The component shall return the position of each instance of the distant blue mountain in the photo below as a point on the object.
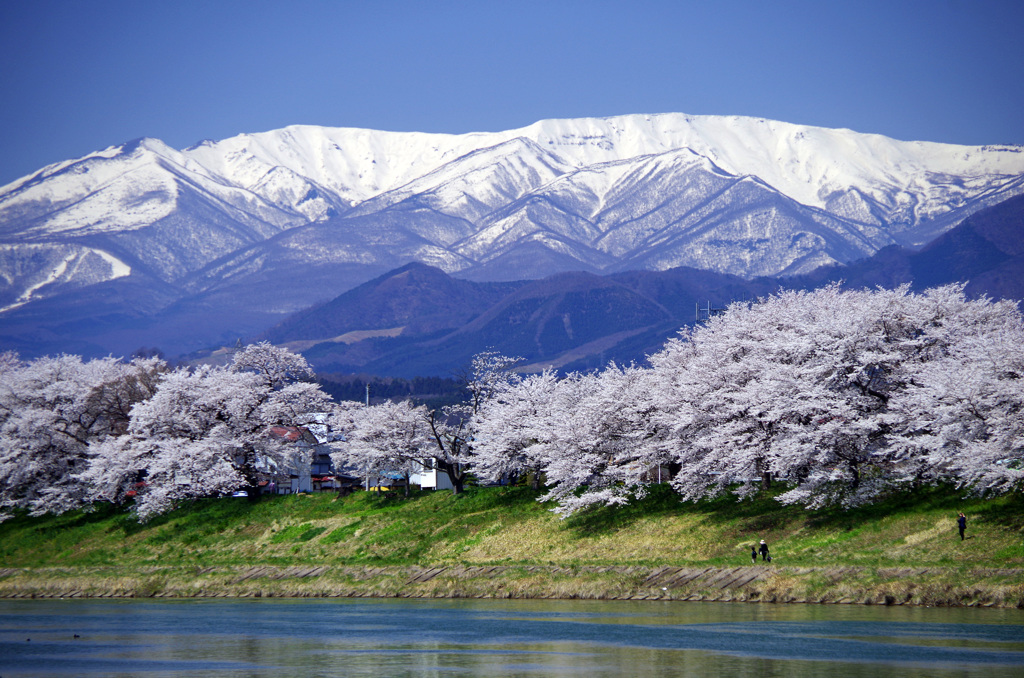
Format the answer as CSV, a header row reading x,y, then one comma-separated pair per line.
x,y
417,320
986,251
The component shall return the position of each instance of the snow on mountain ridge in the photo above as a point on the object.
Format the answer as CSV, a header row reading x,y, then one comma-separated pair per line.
x,y
126,188
340,167
475,184
638,190
810,164
227,236
77,196
69,265
806,163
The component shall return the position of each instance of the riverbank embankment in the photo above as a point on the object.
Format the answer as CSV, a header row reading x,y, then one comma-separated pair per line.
x,y
501,542
935,586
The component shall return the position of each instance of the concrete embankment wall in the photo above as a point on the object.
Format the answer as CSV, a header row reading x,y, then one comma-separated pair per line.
x,y
753,583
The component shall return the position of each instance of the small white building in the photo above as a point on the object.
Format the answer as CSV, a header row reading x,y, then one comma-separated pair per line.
x,y
429,478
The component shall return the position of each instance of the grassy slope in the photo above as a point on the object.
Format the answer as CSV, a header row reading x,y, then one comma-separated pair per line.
x,y
506,526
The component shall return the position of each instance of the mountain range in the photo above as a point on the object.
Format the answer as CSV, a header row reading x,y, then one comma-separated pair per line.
x,y
418,320
142,244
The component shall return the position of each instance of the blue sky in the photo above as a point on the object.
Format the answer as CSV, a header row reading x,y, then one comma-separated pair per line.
x,y
78,76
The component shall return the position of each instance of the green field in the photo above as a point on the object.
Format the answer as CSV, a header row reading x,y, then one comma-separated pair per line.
x,y
501,541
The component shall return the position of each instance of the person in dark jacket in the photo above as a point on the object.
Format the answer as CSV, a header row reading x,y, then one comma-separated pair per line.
x,y
961,524
765,556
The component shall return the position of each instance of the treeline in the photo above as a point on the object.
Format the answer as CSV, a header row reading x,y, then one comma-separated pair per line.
x,y
431,391
840,397
74,432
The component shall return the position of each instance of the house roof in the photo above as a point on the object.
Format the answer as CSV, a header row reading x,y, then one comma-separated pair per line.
x,y
293,434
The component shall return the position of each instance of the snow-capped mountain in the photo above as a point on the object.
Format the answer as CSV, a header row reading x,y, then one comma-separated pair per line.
x,y
281,219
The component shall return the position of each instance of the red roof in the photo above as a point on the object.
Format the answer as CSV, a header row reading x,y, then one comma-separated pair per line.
x,y
288,433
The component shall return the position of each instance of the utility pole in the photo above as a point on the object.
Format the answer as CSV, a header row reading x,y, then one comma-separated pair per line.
x,y
367,404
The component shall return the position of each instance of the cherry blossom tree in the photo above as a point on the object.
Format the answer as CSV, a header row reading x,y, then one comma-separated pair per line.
x,y
962,420
385,440
595,440
730,394
207,431
879,348
507,428
9,360
285,395
837,448
51,411
184,442
453,428
276,366
831,391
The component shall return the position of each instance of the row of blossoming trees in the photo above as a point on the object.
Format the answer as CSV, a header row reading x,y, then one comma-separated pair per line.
x,y
839,396
74,432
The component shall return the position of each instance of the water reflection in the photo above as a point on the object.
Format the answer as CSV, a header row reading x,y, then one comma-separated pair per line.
x,y
257,638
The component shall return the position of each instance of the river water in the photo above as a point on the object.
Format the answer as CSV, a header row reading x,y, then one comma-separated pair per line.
x,y
340,637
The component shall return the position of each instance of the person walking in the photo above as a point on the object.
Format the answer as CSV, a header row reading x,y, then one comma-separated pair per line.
x,y
765,556
961,524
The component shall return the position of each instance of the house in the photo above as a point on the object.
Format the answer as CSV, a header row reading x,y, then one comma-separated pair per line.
x,y
319,474
430,478
312,470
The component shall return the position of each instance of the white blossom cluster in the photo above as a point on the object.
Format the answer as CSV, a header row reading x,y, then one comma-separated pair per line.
x,y
836,397
73,433
839,396
400,439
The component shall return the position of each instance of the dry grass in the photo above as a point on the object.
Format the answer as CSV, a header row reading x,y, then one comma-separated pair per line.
x,y
373,545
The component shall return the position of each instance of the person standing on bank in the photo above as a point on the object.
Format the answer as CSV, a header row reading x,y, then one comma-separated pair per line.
x,y
765,556
961,524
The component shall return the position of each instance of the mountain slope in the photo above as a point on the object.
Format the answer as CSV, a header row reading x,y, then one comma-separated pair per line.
x,y
581,320
415,299
418,320
985,251
221,236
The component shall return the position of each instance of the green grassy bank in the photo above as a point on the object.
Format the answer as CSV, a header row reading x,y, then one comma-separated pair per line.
x,y
502,542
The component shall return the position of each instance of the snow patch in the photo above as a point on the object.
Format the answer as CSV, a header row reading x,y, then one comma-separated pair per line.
x,y
56,274
118,269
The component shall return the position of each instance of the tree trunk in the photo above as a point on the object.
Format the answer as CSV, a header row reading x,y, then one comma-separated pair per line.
x,y
252,480
455,474
458,479
765,473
